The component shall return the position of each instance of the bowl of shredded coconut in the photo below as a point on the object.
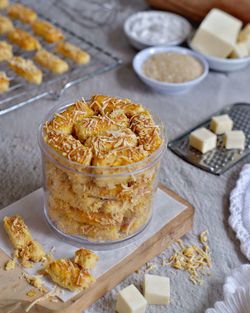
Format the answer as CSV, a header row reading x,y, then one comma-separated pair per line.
x,y
153,28
170,70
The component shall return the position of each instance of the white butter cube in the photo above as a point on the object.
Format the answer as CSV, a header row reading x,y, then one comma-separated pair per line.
x,y
130,300
235,139
156,289
203,140
221,124
240,50
217,34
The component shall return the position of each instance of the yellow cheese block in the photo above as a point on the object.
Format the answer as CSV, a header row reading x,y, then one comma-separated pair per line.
x,y
217,34
240,50
235,139
221,124
203,140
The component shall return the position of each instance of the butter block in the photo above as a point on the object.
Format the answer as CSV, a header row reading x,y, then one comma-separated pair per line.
x,y
240,50
217,34
235,139
130,300
221,124
156,289
203,140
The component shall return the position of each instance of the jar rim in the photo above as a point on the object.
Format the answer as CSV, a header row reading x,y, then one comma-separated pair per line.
x,y
153,157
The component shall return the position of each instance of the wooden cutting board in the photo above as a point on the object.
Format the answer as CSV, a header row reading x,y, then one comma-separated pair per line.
x,y
13,287
196,10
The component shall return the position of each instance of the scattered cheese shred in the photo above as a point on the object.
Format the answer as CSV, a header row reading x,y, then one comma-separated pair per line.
x,y
193,259
35,281
150,266
52,293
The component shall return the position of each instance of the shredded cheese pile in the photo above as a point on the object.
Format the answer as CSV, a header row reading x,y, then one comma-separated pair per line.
x,y
193,259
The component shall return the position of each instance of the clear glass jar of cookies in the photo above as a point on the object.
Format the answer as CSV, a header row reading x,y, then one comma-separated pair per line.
x,y
101,161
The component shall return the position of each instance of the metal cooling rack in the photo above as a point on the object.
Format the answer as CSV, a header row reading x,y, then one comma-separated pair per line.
x,y
218,160
21,92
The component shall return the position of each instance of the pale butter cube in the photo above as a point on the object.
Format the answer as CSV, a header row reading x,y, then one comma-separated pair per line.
x,y
235,139
217,34
240,50
221,124
156,289
130,300
203,140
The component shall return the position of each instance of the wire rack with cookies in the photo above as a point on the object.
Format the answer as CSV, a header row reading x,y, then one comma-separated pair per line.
x,y
40,57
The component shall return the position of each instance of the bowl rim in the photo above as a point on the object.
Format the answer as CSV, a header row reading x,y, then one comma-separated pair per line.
x,y
227,61
128,21
181,50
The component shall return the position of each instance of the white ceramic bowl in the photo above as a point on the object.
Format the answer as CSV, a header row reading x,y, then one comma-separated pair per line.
x,y
172,19
224,65
239,302
163,87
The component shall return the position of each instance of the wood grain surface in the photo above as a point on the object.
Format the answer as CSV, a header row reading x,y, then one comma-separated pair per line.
x,y
14,287
196,10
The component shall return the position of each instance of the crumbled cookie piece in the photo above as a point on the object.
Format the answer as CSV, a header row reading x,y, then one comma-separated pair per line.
x,y
85,258
26,249
31,293
10,265
69,275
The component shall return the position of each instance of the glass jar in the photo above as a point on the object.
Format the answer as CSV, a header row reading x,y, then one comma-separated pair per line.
x,y
98,204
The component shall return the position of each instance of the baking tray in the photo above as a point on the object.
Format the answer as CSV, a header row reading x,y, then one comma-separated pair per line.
x,y
218,160
22,93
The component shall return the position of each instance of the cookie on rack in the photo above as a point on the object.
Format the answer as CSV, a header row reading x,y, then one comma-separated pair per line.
x,y
5,51
22,13
4,4
26,69
47,31
24,40
6,25
4,82
51,62
72,52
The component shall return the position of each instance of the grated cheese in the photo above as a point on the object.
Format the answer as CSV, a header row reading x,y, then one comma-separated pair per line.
x,y
192,259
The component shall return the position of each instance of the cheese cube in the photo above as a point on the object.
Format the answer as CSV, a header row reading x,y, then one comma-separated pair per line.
x,y
221,124
244,37
245,33
202,139
247,43
235,139
156,289
130,300
217,34
240,50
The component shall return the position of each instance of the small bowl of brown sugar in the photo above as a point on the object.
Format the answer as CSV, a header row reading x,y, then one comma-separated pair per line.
x,y
170,70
